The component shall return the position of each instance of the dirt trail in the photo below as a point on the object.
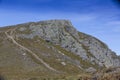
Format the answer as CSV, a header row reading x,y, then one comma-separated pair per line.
x,y
24,48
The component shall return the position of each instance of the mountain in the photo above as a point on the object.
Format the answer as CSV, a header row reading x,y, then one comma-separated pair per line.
x,y
51,48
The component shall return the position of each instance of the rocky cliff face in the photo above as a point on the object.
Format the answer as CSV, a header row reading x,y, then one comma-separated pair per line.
x,y
53,45
62,32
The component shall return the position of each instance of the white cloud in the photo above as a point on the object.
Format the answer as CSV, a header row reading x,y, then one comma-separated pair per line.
x,y
114,26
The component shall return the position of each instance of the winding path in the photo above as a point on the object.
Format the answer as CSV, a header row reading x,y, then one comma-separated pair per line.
x,y
24,48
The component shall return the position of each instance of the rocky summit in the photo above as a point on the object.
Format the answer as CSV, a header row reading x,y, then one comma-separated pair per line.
x,y
50,49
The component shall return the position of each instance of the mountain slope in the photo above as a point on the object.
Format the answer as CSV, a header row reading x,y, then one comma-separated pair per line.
x,y
52,47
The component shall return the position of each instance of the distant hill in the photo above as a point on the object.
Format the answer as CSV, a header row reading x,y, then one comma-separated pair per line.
x,y
51,48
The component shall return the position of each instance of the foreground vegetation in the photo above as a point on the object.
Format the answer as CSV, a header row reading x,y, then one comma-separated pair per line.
x,y
106,74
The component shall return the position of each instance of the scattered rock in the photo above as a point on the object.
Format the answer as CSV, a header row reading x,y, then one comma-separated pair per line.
x,y
91,70
63,63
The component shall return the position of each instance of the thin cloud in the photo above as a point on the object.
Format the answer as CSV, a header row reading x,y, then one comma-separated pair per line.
x,y
114,26
113,23
82,17
87,17
19,17
116,29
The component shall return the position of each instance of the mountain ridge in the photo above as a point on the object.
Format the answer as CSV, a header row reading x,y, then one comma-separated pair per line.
x,y
52,46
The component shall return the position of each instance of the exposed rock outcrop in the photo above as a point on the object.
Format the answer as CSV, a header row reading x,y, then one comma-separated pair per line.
x,y
61,32
37,50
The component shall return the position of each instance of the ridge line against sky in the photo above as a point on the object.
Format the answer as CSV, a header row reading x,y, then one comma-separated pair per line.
x,y
100,18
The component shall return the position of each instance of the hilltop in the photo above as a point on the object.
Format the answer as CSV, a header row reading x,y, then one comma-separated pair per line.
x,y
51,48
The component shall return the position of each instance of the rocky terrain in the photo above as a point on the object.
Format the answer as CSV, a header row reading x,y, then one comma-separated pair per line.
x,y
53,49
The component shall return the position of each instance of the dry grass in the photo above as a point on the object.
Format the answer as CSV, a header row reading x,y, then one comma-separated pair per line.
x,y
45,51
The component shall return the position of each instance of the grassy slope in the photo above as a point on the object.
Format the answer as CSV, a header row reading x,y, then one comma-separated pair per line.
x,y
15,67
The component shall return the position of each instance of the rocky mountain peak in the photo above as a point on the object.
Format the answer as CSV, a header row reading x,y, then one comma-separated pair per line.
x,y
60,25
50,29
62,32
52,45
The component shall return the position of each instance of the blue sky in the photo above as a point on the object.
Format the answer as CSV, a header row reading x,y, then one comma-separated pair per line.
x,y
100,18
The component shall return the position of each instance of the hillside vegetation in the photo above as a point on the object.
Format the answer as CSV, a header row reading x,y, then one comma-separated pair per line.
x,y
54,50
